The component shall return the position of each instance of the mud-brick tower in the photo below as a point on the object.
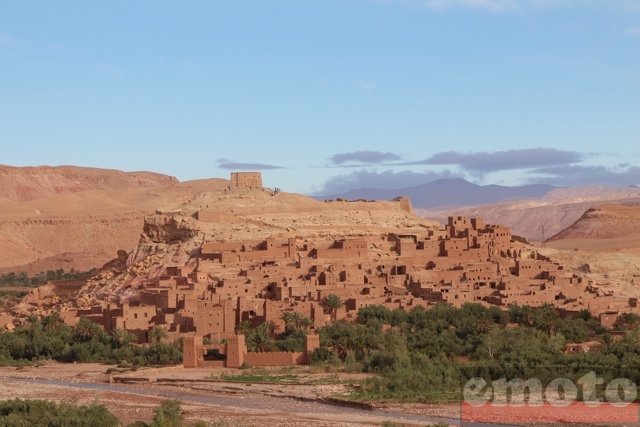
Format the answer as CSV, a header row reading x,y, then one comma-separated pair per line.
x,y
191,352
312,342
236,350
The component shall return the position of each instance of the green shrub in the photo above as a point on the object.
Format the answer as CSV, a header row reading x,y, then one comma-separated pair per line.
x,y
44,413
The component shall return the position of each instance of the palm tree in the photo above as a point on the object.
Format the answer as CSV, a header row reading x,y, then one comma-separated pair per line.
x,y
483,325
332,303
629,319
52,321
606,341
295,321
122,337
546,318
243,327
157,334
86,330
34,323
259,340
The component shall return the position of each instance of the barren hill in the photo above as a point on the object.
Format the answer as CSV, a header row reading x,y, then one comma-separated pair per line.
x,y
605,227
82,217
79,217
29,183
555,211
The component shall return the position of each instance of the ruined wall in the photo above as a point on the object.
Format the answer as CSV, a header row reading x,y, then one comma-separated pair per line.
x,y
246,180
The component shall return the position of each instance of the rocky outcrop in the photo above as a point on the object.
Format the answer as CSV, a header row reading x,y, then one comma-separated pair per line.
x,y
169,229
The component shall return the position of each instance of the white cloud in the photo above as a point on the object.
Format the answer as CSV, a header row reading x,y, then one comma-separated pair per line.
x,y
490,5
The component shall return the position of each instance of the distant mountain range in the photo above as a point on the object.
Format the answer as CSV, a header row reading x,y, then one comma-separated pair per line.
x,y
449,193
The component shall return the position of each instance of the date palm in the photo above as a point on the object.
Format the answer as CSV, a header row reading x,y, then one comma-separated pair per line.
x,y
122,337
86,330
332,303
157,334
243,327
260,341
295,321
629,319
52,321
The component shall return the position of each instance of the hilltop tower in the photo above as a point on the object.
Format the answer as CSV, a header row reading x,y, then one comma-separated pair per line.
x,y
246,180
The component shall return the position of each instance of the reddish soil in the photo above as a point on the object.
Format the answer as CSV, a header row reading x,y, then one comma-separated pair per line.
x,y
241,404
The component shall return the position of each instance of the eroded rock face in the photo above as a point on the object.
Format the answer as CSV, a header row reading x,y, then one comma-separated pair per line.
x,y
169,228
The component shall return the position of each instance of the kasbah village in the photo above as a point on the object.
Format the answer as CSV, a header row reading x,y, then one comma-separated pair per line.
x,y
258,281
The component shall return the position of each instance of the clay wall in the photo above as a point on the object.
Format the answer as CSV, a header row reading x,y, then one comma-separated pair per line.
x,y
274,359
184,321
233,288
192,352
209,318
137,317
339,253
456,225
161,298
455,245
531,269
235,351
245,180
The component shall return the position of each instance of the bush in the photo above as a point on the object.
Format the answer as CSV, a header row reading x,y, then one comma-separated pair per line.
x,y
167,414
44,413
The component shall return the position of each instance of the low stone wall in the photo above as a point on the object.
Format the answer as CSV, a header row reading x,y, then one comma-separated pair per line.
x,y
211,364
274,359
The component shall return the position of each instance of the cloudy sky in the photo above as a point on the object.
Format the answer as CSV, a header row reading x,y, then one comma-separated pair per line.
x,y
327,95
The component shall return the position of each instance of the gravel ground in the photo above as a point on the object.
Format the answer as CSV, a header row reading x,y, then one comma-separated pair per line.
x,y
241,404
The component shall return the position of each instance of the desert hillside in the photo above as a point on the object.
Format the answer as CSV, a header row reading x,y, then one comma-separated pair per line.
x,y
21,184
555,211
82,217
608,227
69,217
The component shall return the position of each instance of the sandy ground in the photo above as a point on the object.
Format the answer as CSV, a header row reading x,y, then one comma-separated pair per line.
x,y
242,404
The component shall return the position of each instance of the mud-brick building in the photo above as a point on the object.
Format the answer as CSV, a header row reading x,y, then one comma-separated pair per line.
x,y
246,180
234,354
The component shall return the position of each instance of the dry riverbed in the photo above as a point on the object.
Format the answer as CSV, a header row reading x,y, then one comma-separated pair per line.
x,y
292,397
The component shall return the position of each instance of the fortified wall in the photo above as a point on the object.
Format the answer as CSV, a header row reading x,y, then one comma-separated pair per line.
x,y
235,350
245,180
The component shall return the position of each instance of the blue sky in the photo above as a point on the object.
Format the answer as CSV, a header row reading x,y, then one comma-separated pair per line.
x,y
325,95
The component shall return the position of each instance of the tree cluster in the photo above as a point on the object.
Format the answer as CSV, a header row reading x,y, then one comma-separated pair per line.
x,y
49,338
427,355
